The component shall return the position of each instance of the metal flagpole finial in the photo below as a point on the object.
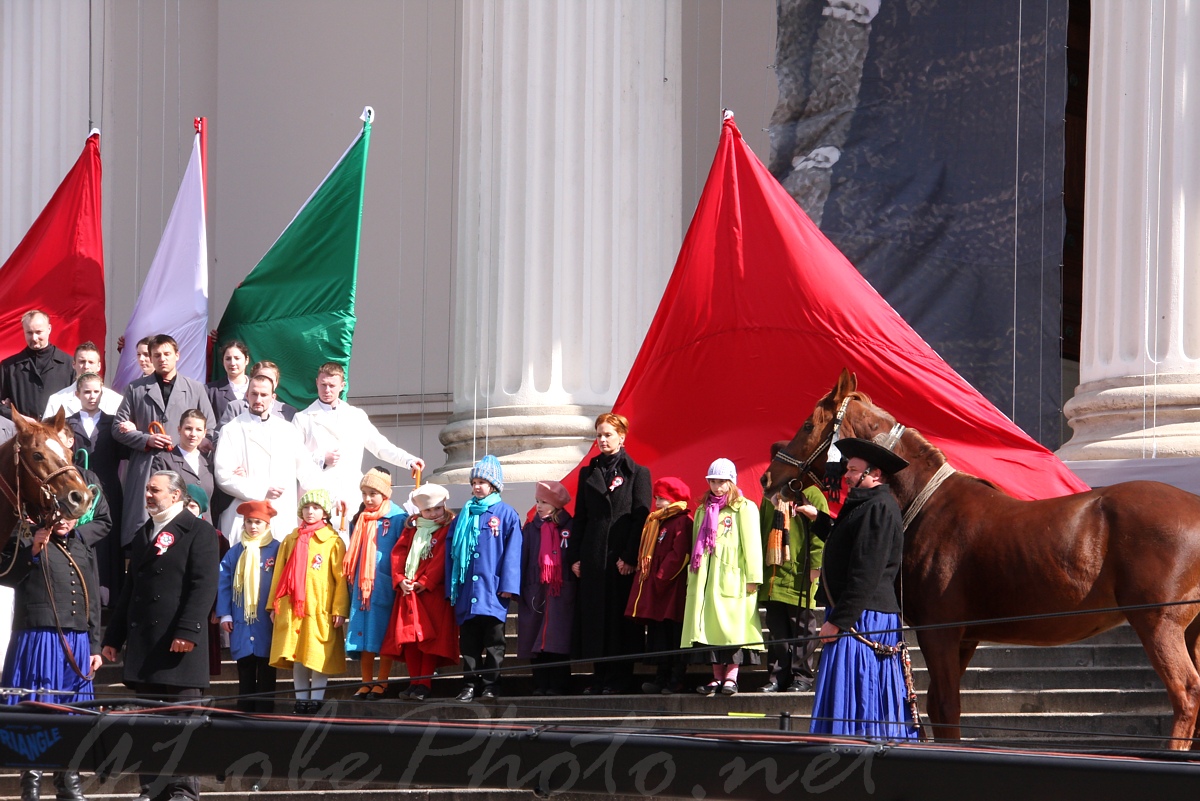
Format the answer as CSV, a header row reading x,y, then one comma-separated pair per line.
x,y
726,114
368,114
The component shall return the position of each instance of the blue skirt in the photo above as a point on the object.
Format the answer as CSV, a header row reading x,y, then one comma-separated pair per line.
x,y
35,661
859,694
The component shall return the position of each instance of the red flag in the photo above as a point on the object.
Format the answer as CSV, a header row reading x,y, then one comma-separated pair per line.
x,y
59,265
760,315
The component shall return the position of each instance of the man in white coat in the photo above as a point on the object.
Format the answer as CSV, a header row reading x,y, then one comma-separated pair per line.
x,y
336,433
261,456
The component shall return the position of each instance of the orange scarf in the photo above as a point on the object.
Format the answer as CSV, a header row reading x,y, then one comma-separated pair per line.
x,y
360,558
295,570
650,534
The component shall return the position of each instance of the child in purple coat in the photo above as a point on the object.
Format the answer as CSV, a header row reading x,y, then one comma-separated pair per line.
x,y
546,608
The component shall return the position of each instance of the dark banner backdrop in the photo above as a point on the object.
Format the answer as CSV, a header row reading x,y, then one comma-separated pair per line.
x,y
925,137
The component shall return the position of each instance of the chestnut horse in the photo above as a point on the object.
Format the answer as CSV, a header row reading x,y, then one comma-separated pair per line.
x,y
38,478
973,553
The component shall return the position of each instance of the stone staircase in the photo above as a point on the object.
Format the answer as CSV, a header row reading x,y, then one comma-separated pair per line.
x,y
1100,692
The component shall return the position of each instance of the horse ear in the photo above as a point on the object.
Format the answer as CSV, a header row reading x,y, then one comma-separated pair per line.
x,y
60,419
847,383
19,420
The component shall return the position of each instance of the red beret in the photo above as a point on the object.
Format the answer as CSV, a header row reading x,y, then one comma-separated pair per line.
x,y
257,509
673,489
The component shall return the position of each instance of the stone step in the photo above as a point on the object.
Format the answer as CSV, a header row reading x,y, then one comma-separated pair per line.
x,y
1061,656
1052,678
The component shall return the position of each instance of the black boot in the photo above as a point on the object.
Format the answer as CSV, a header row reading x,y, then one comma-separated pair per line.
x,y
31,785
66,786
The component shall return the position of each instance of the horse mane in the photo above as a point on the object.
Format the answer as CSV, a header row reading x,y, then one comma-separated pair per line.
x,y
923,450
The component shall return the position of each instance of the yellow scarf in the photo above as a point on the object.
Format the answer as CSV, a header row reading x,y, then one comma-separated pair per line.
x,y
246,575
650,534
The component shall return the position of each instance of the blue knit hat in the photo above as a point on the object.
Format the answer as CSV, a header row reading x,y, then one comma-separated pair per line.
x,y
488,468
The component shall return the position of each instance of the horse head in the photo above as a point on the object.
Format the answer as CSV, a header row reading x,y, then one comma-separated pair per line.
x,y
38,475
800,462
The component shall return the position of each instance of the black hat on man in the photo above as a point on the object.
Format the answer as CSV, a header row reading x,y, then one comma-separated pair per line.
x,y
872,453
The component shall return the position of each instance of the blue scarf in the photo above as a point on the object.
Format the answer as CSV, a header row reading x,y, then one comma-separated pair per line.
x,y
465,538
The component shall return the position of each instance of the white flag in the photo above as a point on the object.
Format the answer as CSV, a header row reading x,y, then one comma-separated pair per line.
x,y
174,297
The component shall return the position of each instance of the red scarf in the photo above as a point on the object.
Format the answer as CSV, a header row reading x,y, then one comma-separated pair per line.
x,y
550,557
294,571
360,558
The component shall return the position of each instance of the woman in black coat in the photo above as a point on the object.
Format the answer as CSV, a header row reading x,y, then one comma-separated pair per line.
x,y
612,503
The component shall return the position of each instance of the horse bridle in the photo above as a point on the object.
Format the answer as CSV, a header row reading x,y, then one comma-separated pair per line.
x,y
805,467
14,494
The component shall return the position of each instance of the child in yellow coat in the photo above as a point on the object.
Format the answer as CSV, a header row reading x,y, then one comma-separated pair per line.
x,y
310,601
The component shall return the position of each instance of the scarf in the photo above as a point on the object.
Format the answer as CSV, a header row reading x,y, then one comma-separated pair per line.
x,y
247,574
706,539
292,582
465,538
607,462
360,558
422,545
550,556
650,534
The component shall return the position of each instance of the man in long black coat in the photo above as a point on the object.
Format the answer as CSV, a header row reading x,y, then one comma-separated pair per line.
x,y
28,378
161,617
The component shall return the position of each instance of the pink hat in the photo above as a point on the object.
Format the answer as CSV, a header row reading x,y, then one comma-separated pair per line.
x,y
553,493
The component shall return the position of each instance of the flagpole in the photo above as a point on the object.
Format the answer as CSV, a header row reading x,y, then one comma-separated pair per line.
x,y
201,124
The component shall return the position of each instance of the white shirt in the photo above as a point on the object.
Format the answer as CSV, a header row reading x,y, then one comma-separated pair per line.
x,y
89,421
66,399
350,431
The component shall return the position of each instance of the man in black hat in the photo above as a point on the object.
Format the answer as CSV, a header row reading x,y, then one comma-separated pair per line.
x,y
863,548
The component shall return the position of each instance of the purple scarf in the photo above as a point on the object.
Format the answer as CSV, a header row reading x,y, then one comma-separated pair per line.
x,y
706,539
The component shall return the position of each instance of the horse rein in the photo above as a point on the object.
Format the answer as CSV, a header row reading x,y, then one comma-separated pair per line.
x,y
14,494
805,467
87,607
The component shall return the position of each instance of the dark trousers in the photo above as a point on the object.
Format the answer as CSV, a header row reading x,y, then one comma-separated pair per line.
x,y
793,661
552,678
255,675
665,635
160,788
481,642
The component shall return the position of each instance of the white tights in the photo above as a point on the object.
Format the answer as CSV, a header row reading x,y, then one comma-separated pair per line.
x,y
310,684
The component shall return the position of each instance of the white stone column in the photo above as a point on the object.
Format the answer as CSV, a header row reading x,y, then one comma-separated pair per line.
x,y
1139,389
569,195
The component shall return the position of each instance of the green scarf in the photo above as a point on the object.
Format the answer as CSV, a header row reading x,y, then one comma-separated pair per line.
x,y
465,538
422,545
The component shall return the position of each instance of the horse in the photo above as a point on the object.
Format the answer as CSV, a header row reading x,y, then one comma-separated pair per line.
x,y
973,553
39,482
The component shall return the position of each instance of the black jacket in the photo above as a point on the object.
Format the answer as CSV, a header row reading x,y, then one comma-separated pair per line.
x,y
105,455
28,390
167,595
607,527
863,548
49,582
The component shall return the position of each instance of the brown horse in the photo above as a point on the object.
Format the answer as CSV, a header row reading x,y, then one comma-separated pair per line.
x,y
38,478
973,553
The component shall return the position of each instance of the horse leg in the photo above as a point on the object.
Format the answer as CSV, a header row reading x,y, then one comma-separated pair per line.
x,y
946,656
1191,638
1163,636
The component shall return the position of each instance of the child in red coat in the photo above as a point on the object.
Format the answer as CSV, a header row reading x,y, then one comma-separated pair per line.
x,y
422,631
660,586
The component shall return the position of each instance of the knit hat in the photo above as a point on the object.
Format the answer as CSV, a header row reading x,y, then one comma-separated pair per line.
x,y
673,489
553,493
260,510
197,494
722,469
429,496
320,497
488,468
379,480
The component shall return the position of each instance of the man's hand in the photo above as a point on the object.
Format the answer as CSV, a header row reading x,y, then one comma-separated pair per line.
x,y
160,441
109,653
181,646
274,492
418,464
829,632
623,568
332,457
40,538
126,427
808,510
94,663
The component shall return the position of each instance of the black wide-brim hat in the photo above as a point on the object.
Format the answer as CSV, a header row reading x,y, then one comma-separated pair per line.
x,y
872,453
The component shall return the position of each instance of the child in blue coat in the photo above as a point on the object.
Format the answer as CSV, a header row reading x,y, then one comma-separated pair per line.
x,y
483,571
243,591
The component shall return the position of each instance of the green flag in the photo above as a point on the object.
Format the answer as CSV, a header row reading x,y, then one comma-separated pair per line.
x,y
296,307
